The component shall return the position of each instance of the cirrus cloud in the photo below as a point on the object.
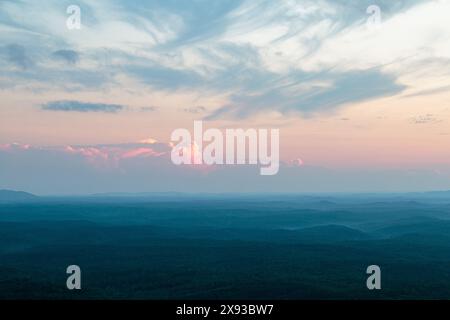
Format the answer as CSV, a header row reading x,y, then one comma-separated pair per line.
x,y
78,106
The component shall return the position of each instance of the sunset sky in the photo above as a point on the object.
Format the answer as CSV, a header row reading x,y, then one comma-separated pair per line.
x,y
361,106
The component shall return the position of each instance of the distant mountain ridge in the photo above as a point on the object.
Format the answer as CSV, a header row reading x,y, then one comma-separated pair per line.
x,y
14,196
441,192
136,194
7,195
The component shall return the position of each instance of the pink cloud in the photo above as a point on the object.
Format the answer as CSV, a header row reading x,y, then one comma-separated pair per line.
x,y
14,146
297,162
111,155
141,152
88,152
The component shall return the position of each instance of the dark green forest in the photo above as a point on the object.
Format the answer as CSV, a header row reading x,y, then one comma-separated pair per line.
x,y
226,247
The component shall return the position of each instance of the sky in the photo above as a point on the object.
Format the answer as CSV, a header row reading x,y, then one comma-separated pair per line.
x,y
361,99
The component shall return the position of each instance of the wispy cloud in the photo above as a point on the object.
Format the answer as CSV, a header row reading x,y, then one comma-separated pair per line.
x,y
78,106
428,92
68,56
17,55
195,110
148,109
426,119
256,55
310,94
